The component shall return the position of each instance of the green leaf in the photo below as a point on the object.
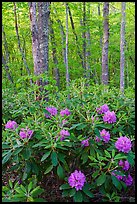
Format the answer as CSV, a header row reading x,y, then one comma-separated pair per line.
x,y
97,132
45,155
54,158
116,182
23,188
120,156
82,126
17,151
10,184
78,197
75,125
95,174
72,192
101,179
113,153
60,172
64,186
131,159
87,191
26,153
106,126
93,159
48,169
30,186
36,191
7,157
107,154
20,191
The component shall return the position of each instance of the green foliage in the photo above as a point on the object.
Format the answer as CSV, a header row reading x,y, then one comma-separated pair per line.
x,y
45,153
19,193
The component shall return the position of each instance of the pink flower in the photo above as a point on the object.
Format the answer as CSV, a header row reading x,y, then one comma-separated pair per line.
x,y
105,135
102,109
128,180
119,177
11,125
123,144
52,110
26,133
77,180
65,112
97,139
109,117
64,134
85,142
124,164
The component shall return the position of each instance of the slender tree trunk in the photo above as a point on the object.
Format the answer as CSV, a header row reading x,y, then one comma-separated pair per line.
x,y
7,69
63,37
5,44
84,35
54,54
74,32
105,44
67,69
88,45
19,44
122,44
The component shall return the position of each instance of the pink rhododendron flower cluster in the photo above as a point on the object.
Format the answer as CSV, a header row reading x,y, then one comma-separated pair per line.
x,y
77,180
109,117
124,164
85,143
64,134
127,179
11,125
65,112
123,144
105,136
26,133
52,110
102,109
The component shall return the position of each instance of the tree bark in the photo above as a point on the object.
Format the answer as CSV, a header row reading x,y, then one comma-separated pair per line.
x,y
54,54
122,44
7,69
43,32
105,44
5,44
67,69
35,39
88,45
19,44
84,35
74,32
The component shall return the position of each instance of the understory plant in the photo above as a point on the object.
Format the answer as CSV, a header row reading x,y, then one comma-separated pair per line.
x,y
86,141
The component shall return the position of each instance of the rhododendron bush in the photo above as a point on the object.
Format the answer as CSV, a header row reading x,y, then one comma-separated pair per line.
x,y
87,141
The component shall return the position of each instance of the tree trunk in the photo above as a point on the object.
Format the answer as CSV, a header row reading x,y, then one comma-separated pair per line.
x,y
67,69
54,54
7,69
122,44
88,45
19,44
74,32
43,32
35,39
105,44
84,35
5,44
